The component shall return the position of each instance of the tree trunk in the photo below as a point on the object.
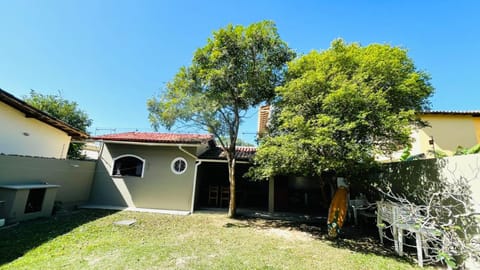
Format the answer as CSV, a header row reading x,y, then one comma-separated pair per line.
x,y
232,206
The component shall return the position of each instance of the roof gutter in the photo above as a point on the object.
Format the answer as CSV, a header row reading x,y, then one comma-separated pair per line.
x,y
195,173
186,152
224,161
194,189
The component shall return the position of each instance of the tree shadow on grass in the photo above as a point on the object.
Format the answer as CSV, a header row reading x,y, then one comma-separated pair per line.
x,y
363,239
16,241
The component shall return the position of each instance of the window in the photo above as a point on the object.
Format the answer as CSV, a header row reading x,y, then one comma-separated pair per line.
x,y
128,165
179,165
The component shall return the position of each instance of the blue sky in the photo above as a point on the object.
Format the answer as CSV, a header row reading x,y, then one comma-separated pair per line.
x,y
111,56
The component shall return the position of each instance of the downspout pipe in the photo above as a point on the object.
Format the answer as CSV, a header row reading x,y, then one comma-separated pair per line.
x,y
195,185
186,152
197,163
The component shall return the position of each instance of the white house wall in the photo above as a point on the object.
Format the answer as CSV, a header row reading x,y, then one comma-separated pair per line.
x,y
30,137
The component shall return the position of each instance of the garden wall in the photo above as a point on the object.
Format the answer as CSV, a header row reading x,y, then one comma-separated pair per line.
x,y
412,178
74,176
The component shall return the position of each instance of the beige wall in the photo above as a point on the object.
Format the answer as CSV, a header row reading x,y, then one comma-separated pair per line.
x,y
159,188
412,178
448,132
43,140
74,177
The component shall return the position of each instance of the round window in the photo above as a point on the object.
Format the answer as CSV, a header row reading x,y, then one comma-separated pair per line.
x,y
179,165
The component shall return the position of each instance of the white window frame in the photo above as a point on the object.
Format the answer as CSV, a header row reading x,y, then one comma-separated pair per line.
x,y
128,155
172,165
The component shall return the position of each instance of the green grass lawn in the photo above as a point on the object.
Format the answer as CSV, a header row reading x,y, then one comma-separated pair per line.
x,y
88,239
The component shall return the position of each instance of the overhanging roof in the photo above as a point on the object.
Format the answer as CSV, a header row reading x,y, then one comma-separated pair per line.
x,y
244,153
31,112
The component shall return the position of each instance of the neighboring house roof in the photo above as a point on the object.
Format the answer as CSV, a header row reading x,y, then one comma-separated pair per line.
x,y
264,114
31,112
217,153
155,137
472,113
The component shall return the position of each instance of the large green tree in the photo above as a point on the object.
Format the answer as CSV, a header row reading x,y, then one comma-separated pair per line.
x,y
238,69
341,107
65,110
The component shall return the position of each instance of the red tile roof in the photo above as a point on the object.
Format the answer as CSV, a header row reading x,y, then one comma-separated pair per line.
x,y
241,153
156,137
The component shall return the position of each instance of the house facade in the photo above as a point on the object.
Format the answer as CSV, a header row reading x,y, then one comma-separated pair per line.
x,y
446,131
171,173
30,132
147,170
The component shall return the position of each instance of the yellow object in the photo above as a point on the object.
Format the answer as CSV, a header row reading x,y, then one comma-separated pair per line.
x,y
337,212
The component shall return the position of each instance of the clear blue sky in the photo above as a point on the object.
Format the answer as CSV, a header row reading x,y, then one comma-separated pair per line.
x,y
110,56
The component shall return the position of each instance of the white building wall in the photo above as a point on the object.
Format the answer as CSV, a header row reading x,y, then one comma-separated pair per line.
x,y
20,135
466,167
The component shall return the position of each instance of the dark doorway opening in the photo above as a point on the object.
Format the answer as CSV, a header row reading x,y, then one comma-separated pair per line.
x,y
35,200
213,187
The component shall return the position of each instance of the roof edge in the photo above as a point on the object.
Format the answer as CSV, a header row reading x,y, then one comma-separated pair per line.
x,y
32,112
472,113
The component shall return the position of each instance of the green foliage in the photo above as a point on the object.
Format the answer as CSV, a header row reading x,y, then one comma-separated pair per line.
x,y
406,153
65,110
440,154
238,68
467,151
443,256
474,149
341,107
60,108
460,151
75,151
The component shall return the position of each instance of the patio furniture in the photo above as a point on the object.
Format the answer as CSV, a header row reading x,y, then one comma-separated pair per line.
x,y
402,218
224,196
386,213
361,207
213,195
